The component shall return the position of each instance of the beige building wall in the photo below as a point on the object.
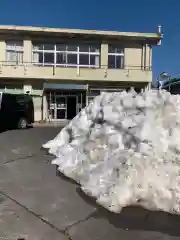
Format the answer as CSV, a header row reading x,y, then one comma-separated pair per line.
x,y
137,58
104,54
137,67
2,51
27,51
37,100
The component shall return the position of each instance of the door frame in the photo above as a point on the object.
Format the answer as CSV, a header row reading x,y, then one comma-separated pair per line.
x,y
60,108
53,104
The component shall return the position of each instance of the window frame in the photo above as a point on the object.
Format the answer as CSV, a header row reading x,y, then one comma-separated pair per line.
x,y
116,54
16,49
55,51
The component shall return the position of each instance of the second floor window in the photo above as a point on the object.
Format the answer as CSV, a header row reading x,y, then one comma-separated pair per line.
x,y
14,52
115,57
67,55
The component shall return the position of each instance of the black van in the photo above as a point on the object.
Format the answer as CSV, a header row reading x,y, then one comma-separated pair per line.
x,y
16,111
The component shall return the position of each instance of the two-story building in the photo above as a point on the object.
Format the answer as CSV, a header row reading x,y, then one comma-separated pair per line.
x,y
63,68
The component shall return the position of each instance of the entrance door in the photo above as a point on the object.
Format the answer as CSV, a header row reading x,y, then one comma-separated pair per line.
x,y
52,105
60,107
71,107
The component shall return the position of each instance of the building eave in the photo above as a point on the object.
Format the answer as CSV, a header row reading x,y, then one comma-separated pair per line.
x,y
106,35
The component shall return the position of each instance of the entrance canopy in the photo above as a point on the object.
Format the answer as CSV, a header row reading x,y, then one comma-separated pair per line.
x,y
47,86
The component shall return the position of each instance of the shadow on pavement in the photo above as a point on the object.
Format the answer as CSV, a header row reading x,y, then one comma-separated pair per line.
x,y
2,130
137,218
132,218
62,176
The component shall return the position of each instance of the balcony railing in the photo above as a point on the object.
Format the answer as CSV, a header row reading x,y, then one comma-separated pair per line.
x,y
54,66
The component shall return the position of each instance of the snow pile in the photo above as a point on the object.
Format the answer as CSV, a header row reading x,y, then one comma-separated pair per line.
x,y
124,149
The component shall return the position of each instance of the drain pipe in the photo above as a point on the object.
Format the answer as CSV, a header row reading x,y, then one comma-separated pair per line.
x,y
159,32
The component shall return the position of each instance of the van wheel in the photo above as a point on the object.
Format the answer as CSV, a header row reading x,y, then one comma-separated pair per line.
x,y
22,124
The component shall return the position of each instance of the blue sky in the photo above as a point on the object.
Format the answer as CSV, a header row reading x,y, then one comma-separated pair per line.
x,y
129,15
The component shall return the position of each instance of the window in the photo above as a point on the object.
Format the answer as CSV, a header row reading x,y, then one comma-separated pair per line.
x,y
61,47
43,54
61,58
72,48
14,52
48,58
84,59
89,55
72,59
67,55
115,57
48,47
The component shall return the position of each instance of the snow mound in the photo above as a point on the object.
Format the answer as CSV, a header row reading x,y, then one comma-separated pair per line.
x,y
124,149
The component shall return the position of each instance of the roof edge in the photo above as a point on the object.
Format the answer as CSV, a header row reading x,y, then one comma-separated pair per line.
x,y
30,29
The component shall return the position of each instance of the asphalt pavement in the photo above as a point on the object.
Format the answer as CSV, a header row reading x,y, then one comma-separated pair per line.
x,y
36,203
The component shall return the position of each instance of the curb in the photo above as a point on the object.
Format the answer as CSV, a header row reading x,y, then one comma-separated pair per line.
x,y
50,124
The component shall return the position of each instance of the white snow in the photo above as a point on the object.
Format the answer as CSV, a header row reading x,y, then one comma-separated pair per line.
x,y
124,149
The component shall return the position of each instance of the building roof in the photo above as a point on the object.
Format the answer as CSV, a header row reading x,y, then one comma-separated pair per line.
x,y
4,29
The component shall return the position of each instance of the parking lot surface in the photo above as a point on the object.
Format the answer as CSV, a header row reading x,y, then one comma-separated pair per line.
x,y
38,204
